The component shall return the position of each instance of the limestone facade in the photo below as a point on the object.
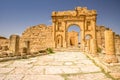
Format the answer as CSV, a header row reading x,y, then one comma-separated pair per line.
x,y
39,36
82,17
100,35
4,43
100,30
57,35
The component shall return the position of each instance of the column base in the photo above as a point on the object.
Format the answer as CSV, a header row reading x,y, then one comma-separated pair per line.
x,y
110,59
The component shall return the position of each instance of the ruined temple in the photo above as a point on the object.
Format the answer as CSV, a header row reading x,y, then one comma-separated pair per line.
x,y
98,43
57,35
39,37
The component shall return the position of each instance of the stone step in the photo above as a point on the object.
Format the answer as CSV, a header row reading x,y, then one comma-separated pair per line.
x,y
67,49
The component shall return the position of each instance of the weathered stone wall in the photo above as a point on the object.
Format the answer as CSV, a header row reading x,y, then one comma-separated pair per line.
x,y
4,43
100,35
101,38
82,17
40,37
117,44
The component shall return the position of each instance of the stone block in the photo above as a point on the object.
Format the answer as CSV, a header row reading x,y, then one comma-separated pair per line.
x,y
14,44
110,56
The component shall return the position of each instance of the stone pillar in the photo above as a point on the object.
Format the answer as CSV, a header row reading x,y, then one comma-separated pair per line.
x,y
88,45
83,46
93,45
54,41
14,44
82,40
110,56
27,46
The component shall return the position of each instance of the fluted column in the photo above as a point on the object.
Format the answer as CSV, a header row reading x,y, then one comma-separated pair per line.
x,y
110,56
88,45
94,46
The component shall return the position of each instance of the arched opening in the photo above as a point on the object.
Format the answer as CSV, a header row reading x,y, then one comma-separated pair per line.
x,y
73,36
88,37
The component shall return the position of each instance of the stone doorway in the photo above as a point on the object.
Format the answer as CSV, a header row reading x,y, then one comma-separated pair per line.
x,y
73,36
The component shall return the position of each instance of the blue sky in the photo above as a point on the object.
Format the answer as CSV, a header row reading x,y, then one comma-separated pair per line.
x,y
17,15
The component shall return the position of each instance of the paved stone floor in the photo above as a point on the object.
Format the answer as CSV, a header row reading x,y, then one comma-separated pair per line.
x,y
58,66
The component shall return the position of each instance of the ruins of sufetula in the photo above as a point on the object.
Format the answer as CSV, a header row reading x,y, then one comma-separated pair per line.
x,y
92,36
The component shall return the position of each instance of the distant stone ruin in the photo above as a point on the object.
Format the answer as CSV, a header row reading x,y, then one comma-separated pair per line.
x,y
40,37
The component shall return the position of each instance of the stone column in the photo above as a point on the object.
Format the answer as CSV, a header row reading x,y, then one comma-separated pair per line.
x,y
54,33
27,46
110,56
82,40
93,45
88,45
83,45
14,44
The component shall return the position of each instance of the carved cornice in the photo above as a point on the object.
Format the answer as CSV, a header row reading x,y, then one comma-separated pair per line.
x,y
76,12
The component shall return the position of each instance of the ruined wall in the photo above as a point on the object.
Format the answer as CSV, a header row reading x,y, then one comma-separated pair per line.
x,y
117,43
4,43
40,37
100,35
101,38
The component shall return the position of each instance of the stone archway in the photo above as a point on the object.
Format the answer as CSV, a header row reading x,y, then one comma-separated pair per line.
x,y
73,36
84,18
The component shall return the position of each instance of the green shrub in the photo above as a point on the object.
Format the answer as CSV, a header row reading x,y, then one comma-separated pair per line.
x,y
49,51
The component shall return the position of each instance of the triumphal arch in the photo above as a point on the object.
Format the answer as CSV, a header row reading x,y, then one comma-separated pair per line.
x,y
93,38
82,17
57,35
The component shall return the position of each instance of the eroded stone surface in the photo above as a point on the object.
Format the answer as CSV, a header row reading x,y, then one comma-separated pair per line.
x,y
14,77
5,70
58,66
43,77
2,76
90,76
